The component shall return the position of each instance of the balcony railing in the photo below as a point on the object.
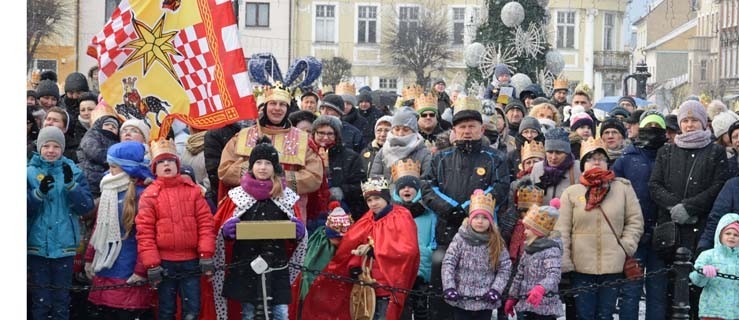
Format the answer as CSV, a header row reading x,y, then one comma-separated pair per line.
x,y
611,60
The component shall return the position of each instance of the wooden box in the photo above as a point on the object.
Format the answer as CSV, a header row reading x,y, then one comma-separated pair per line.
x,y
260,230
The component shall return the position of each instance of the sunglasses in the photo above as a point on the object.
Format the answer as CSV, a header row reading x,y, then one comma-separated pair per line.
x,y
428,115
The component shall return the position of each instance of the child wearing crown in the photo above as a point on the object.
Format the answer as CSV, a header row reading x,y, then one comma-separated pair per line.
x,y
386,235
539,270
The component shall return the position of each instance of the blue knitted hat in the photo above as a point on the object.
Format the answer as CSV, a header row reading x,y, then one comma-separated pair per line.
x,y
129,156
557,139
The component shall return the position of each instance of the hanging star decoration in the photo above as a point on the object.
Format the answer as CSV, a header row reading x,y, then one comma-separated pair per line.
x,y
494,56
152,44
529,42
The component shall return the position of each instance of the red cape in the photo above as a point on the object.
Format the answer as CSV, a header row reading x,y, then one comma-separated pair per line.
x,y
396,256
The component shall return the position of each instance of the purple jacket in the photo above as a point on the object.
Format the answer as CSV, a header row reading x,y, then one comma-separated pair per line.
x,y
466,267
541,264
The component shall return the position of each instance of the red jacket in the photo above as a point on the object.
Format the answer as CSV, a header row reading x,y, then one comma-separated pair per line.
x,y
174,223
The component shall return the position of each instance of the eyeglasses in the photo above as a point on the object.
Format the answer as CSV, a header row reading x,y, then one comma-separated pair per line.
x,y
428,115
170,160
324,134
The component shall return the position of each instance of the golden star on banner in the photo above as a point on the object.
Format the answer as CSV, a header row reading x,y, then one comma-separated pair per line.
x,y
152,45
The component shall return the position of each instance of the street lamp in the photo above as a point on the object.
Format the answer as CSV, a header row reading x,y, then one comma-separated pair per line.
x,y
641,75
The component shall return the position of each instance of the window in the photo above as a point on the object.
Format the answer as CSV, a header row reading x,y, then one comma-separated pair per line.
x,y
325,22
387,83
43,65
704,69
457,25
609,89
110,6
566,29
609,27
408,19
367,24
257,14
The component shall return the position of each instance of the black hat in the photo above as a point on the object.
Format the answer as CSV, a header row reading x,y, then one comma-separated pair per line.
x,y
265,150
31,93
440,81
620,111
671,123
408,181
302,115
48,75
539,100
734,126
89,96
47,88
333,101
364,96
466,115
76,82
310,94
628,99
634,118
613,123
515,104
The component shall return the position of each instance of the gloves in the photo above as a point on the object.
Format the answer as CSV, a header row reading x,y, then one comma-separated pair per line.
x,y
155,275
354,272
88,270
709,271
493,296
336,194
46,184
536,295
451,294
509,304
679,214
229,228
67,173
299,228
135,278
207,267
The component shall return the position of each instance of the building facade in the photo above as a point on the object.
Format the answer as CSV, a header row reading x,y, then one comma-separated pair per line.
x,y
703,57
728,71
59,53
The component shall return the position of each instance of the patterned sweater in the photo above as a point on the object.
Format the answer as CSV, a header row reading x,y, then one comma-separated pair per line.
x,y
541,264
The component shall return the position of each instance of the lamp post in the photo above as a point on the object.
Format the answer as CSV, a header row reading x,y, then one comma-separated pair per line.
x,y
641,75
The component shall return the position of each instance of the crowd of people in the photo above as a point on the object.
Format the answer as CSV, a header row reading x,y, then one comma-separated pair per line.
x,y
497,202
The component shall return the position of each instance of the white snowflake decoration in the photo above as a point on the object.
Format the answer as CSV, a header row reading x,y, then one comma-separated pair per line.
x,y
530,42
520,81
476,89
473,54
495,56
545,79
512,14
555,61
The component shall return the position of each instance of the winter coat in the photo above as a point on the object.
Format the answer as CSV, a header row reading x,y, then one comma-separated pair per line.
x,y
371,115
452,178
73,140
93,153
346,172
443,102
571,177
174,222
431,137
466,268
426,226
541,264
692,177
368,155
351,137
215,142
726,202
361,123
590,246
636,166
420,154
52,227
720,297
194,156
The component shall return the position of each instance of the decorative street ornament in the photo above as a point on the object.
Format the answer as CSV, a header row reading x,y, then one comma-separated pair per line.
x,y
473,54
530,42
520,81
545,78
494,56
555,62
512,14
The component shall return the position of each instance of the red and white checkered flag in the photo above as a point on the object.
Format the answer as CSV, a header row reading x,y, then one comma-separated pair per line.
x,y
107,46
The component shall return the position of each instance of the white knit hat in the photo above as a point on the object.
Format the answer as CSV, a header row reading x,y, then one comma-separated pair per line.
x,y
722,121
139,124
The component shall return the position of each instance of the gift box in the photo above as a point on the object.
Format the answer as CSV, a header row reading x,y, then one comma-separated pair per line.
x,y
260,230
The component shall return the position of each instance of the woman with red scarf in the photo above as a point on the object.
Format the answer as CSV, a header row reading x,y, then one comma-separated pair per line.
x,y
591,251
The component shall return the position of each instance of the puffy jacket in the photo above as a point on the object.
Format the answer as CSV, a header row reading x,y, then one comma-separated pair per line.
x,y
93,153
541,264
719,294
361,123
346,172
452,178
351,137
636,166
174,222
426,226
53,229
726,202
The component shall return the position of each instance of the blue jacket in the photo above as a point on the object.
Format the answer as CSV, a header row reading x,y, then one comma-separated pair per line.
x,y
720,296
426,226
636,165
726,201
52,227
123,266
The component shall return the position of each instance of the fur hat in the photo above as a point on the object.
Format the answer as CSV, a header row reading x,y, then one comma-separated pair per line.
x,y
75,82
635,117
89,96
557,139
265,151
337,222
581,119
302,115
331,121
139,124
613,123
47,88
722,121
529,122
335,102
693,109
50,133
406,116
49,75
541,220
129,156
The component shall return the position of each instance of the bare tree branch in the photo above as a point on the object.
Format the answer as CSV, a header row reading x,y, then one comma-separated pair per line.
x,y
46,20
334,70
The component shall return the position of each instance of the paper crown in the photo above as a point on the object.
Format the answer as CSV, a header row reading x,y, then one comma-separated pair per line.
x,y
540,220
591,145
276,93
162,146
412,92
584,88
345,88
407,167
561,83
481,201
533,149
399,103
529,196
425,102
374,185
468,103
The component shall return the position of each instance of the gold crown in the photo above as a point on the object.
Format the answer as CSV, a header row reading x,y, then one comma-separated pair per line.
x,y
561,83
482,201
276,93
407,167
585,89
374,185
162,146
412,92
345,88
529,196
590,145
399,103
468,103
426,102
533,149
539,220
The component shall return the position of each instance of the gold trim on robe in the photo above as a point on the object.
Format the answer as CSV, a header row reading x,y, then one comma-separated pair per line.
x,y
290,143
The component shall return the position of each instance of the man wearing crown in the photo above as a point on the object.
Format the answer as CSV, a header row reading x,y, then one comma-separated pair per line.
x,y
429,122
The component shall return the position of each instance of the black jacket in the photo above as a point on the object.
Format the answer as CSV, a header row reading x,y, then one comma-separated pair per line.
x,y
345,171
368,156
73,138
215,141
372,115
351,137
443,102
453,176
359,122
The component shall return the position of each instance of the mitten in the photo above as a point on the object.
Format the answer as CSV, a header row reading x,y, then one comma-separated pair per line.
x,y
493,296
679,214
155,275
536,294
299,228
229,228
336,194
135,278
451,294
46,184
67,173
207,267
709,271
509,310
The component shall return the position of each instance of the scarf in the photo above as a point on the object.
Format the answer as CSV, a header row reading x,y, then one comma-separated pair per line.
x,y
651,138
553,175
196,143
473,237
523,173
85,124
398,148
597,181
615,154
259,189
693,140
107,236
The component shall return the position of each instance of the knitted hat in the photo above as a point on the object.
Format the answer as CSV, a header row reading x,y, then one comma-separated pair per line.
x,y
714,108
50,133
350,98
385,119
337,222
620,111
89,96
406,116
440,81
112,120
138,124
557,139
408,181
502,69
581,119
627,99
722,121
31,93
376,186
652,117
265,151
693,109
515,104
541,220
731,226
188,171
331,121
364,97
75,82
163,149
671,122
613,123
732,128
310,94
481,203
529,122
129,156
47,88
635,117
334,102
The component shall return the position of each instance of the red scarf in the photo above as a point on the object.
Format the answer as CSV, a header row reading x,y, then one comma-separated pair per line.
x,y
598,182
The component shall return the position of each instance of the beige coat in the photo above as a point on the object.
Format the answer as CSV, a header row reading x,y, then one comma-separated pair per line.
x,y
555,192
589,245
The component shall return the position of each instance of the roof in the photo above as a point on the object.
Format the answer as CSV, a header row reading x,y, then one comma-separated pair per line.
x,y
652,7
674,33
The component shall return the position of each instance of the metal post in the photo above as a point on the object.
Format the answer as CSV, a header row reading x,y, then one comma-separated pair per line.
x,y
681,284
640,75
